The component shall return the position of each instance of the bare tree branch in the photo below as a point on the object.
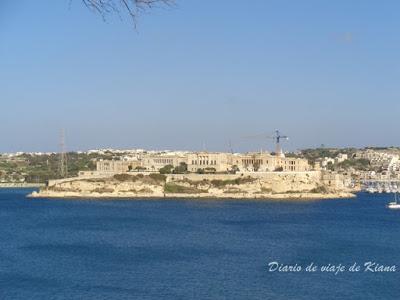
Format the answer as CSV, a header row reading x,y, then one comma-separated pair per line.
x,y
132,7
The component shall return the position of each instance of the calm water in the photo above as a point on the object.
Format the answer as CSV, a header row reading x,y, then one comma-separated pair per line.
x,y
56,249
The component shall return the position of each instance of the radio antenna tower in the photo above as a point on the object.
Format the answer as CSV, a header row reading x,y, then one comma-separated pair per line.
x,y
230,146
63,156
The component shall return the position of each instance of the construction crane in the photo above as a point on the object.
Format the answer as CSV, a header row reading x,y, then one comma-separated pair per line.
x,y
277,138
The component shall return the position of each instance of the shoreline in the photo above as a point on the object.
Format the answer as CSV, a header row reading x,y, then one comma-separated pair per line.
x,y
21,185
239,196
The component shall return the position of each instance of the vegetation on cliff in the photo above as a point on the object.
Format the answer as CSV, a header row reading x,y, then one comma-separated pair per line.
x,y
174,188
241,180
320,190
153,178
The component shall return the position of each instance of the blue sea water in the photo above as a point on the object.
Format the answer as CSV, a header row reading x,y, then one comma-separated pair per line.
x,y
194,249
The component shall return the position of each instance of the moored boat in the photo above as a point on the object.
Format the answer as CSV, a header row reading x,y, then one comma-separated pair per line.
x,y
395,204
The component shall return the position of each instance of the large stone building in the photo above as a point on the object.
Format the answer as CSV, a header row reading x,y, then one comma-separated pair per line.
x,y
265,162
156,162
217,162
210,162
117,166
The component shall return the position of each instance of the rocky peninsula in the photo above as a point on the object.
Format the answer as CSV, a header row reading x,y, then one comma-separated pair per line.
x,y
278,185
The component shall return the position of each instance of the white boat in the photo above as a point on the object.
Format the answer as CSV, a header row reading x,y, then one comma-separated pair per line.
x,y
395,204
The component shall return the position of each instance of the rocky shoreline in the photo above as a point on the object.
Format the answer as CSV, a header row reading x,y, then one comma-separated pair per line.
x,y
289,196
139,186
21,185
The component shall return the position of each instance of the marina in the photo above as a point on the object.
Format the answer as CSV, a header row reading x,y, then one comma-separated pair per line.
x,y
381,186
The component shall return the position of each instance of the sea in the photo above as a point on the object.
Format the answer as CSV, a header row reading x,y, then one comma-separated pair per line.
x,y
198,249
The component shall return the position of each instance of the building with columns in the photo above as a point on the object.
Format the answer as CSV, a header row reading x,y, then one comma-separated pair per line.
x,y
218,162
156,162
265,162
208,162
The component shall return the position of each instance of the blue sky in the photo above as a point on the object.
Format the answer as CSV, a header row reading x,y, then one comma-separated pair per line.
x,y
200,74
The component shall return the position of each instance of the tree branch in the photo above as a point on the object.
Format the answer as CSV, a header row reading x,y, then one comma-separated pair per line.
x,y
132,7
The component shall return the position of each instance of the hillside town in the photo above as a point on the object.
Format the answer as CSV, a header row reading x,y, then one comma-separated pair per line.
x,y
353,165
363,164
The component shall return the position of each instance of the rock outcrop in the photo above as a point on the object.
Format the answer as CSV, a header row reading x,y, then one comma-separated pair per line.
x,y
277,185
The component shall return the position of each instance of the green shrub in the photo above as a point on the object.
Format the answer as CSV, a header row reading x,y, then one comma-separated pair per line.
x,y
158,177
125,177
173,188
200,171
237,181
233,191
166,169
181,169
103,190
320,190
218,182
266,190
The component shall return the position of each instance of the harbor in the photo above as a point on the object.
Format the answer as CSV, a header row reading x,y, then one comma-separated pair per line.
x,y
381,186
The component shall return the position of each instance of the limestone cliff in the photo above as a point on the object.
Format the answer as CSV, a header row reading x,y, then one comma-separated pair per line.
x,y
252,185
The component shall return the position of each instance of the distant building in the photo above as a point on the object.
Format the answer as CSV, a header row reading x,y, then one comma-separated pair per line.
x,y
219,162
207,162
379,159
327,161
156,162
263,162
116,166
341,158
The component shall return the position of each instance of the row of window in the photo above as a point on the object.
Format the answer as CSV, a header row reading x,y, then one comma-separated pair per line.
x,y
204,162
163,161
253,161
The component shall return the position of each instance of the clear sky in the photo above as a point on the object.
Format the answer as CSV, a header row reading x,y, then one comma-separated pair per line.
x,y
200,74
